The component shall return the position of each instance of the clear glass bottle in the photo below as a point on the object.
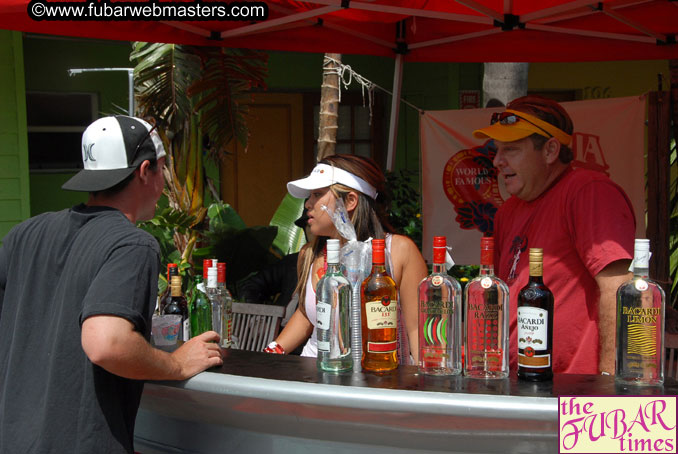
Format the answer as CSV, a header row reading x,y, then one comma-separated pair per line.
x,y
640,325
379,315
486,330
439,297
214,296
177,305
333,302
201,309
226,306
535,324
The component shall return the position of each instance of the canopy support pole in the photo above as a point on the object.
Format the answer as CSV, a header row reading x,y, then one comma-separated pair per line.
x,y
395,112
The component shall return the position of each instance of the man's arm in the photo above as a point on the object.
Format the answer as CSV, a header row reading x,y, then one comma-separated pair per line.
x,y
609,279
112,343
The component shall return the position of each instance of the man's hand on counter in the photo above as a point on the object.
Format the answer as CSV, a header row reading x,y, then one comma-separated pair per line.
x,y
198,354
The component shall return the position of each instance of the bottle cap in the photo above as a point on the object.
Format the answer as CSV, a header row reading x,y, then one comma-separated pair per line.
x,y
221,272
536,254
641,253
171,269
333,248
439,249
378,252
212,277
487,250
206,265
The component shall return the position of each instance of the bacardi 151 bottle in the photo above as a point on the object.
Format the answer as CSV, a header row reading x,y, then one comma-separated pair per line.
x,y
640,325
379,318
333,305
439,297
535,324
486,303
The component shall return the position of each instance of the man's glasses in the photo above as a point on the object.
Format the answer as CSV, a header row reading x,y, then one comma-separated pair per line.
x,y
509,118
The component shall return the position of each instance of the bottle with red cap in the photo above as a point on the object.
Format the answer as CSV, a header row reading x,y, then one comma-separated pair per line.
x,y
166,297
439,318
486,305
379,317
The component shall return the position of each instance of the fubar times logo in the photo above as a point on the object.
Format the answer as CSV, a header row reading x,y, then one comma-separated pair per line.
x,y
617,424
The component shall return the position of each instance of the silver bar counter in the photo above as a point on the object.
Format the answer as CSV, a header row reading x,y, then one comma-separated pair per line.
x,y
261,403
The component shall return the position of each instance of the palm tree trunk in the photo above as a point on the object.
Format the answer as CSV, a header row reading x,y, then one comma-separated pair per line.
x,y
329,107
504,81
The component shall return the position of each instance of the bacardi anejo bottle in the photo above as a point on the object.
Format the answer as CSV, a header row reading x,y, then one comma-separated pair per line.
x,y
439,297
333,304
486,304
177,305
640,325
379,318
535,324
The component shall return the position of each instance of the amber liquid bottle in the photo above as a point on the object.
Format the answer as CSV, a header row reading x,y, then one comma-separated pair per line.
x,y
165,298
379,317
535,324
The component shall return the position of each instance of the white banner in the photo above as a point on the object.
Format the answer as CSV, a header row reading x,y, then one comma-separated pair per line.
x,y
460,190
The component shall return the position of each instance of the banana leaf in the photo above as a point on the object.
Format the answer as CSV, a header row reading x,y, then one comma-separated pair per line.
x,y
223,215
290,238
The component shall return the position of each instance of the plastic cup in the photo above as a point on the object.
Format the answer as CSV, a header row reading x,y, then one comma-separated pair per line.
x,y
165,330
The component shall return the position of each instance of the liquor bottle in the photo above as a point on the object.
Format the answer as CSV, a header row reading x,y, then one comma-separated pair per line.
x,y
439,297
640,325
486,305
214,295
201,310
379,315
333,302
535,324
172,270
226,306
178,306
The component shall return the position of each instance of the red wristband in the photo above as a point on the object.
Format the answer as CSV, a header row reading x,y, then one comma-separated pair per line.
x,y
274,348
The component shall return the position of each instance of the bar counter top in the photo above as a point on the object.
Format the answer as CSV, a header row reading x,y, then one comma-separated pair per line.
x,y
258,402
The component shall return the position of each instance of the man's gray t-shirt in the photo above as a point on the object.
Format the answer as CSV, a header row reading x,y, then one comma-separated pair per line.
x,y
56,270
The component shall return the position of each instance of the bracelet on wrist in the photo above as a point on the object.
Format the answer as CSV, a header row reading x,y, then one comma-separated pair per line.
x,y
274,348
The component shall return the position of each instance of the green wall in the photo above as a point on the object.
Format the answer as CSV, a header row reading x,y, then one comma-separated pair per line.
x,y
46,62
14,184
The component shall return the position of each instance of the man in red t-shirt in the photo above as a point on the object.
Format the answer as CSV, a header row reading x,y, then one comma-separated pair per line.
x,y
583,221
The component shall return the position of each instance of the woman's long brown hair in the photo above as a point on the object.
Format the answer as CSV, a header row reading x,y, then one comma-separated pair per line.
x,y
369,217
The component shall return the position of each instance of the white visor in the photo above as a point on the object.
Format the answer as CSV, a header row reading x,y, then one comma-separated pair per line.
x,y
324,175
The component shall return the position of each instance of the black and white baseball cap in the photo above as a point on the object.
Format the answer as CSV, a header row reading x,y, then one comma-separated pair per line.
x,y
112,148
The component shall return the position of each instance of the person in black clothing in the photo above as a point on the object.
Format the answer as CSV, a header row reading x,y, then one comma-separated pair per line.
x,y
274,284
77,292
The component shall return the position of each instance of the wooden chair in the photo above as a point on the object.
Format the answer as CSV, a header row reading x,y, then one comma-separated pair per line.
x,y
671,345
255,325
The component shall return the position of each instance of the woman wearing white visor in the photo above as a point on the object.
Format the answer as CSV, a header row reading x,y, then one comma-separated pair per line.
x,y
360,183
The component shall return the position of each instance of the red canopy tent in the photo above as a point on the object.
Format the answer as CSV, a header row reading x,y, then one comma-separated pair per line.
x,y
421,30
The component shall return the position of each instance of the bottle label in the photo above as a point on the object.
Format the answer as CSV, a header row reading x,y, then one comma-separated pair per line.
x,y
532,337
437,281
382,313
324,346
486,282
323,311
382,347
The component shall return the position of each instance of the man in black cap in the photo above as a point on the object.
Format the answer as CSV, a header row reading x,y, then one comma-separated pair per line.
x,y
77,292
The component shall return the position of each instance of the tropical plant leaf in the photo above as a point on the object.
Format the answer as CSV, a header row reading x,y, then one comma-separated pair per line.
x,y
290,238
223,215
